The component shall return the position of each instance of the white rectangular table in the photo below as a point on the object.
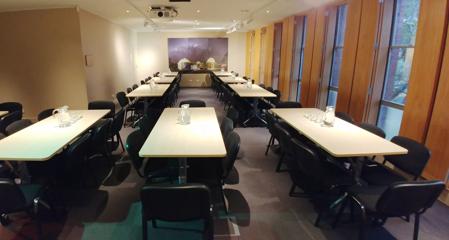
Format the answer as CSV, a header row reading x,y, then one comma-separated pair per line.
x,y
147,91
3,113
164,79
342,140
169,74
223,74
200,139
44,139
252,94
231,80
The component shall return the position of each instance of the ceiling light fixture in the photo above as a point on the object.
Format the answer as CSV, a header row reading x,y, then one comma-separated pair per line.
x,y
198,11
267,11
127,11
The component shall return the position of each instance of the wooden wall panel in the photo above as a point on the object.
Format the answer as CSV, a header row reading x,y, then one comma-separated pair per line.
x,y
430,39
256,56
438,135
317,59
286,56
365,60
248,53
308,55
349,54
268,69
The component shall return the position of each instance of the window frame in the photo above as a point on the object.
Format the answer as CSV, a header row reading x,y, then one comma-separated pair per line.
x,y
295,82
275,84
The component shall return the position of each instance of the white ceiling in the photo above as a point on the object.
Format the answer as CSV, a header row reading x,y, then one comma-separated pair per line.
x,y
213,15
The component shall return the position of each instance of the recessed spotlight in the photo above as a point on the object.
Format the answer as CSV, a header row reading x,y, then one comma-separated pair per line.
x,y
127,11
267,11
198,11
234,20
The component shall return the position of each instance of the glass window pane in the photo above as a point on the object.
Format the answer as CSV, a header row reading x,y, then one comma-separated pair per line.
x,y
405,22
397,75
341,25
332,98
298,95
336,66
390,120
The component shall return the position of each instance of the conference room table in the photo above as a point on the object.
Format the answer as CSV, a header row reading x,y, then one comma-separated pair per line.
x,y
164,79
233,80
3,113
169,74
223,74
148,92
342,140
44,139
201,138
252,94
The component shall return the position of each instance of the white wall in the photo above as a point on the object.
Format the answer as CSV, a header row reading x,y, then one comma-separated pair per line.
x,y
152,50
111,48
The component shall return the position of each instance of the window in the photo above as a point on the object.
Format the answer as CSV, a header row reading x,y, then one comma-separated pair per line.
x,y
398,65
337,55
298,58
263,50
276,54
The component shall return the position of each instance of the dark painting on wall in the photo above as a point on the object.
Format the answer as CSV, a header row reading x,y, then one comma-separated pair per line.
x,y
197,53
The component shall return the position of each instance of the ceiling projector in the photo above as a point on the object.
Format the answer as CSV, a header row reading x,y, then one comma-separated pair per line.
x,y
162,12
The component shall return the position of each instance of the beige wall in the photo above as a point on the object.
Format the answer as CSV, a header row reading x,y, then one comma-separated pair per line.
x,y
152,50
41,64
110,47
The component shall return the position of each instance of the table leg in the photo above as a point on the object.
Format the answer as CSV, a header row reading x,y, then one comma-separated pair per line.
x,y
357,166
182,162
254,112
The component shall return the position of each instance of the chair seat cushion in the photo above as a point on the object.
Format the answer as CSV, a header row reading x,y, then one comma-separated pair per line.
x,y
30,192
380,175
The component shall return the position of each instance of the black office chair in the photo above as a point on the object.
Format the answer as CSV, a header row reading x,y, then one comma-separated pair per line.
x,y
270,89
276,99
17,126
261,85
373,129
288,105
284,137
106,105
128,90
45,114
12,107
142,82
99,139
226,126
21,198
232,144
114,135
75,160
271,120
8,119
344,116
234,115
148,121
135,86
153,170
177,203
193,103
397,200
412,163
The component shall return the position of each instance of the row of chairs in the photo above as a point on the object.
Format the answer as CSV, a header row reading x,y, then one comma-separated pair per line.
x,y
384,192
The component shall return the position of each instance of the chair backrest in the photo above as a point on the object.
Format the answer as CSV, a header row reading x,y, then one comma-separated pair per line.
x,y
288,105
232,144
261,85
405,198
100,133
271,120
134,143
309,163
17,126
226,126
45,114
373,129
414,161
108,105
283,136
122,99
11,107
344,116
233,114
193,103
78,150
12,197
183,202
117,122
128,90
142,82
269,89
8,119
135,86
148,121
